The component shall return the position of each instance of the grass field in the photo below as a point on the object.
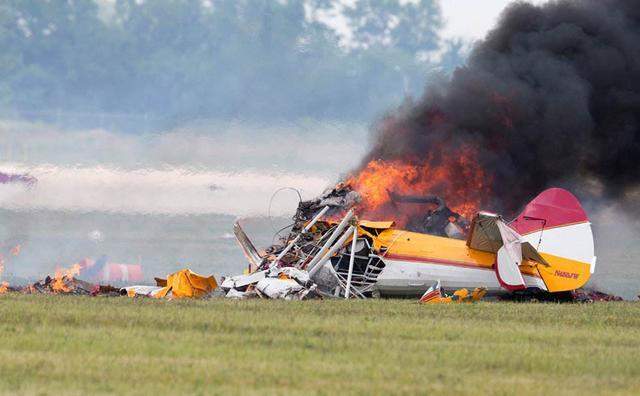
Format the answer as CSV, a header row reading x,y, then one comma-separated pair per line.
x,y
78,345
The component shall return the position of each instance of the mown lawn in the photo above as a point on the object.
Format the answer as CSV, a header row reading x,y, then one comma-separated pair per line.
x,y
78,345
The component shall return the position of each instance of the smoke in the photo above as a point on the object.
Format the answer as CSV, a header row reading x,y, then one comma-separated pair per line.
x,y
616,236
550,97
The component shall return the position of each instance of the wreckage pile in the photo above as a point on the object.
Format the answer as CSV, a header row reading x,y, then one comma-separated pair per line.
x,y
323,255
287,283
297,268
320,229
316,259
338,200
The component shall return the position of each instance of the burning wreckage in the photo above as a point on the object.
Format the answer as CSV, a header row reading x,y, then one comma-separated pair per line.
x,y
547,251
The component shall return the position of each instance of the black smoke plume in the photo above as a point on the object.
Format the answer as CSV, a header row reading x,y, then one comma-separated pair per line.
x,y
551,96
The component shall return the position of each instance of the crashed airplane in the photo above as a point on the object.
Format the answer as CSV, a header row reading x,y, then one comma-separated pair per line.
x,y
548,248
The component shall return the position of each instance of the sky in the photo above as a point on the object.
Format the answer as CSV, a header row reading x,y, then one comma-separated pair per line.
x,y
472,19
468,20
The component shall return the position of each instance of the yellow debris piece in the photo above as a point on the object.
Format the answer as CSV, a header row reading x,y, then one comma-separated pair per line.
x,y
186,283
478,294
459,296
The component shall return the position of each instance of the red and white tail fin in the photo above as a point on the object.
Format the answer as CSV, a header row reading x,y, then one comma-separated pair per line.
x,y
555,223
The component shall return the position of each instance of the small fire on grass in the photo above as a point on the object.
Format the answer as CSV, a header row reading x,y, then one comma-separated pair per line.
x,y
64,280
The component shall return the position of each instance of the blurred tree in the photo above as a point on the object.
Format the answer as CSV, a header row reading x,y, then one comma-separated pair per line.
x,y
59,49
411,26
185,59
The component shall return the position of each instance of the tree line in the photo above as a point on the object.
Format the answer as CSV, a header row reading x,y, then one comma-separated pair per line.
x,y
186,59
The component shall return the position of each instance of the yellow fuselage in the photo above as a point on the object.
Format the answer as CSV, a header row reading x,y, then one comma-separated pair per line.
x,y
421,256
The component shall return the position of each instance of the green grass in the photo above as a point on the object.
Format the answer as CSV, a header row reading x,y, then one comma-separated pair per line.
x,y
78,345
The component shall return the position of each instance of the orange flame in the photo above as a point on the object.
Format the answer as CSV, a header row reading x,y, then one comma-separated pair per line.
x,y
459,180
59,283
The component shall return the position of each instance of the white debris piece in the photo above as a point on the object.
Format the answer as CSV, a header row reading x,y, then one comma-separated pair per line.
x,y
141,290
301,276
235,294
278,288
240,281
286,289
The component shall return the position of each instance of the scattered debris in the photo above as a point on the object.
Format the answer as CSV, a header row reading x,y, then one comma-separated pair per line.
x,y
238,295
182,284
286,289
67,284
241,282
588,296
434,295
286,283
140,291
64,282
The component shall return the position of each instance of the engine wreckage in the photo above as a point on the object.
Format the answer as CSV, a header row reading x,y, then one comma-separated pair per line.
x,y
548,250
